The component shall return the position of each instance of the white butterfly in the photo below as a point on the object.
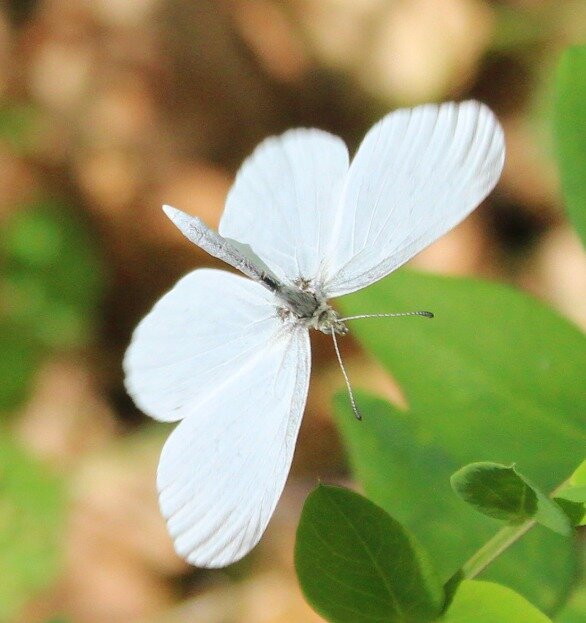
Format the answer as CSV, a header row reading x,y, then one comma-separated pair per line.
x,y
230,356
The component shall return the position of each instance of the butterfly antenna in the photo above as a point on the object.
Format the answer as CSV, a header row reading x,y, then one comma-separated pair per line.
x,y
350,392
425,314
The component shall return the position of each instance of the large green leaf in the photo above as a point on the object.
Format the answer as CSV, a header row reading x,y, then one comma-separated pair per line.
x,y
356,564
31,517
570,131
407,473
486,602
495,376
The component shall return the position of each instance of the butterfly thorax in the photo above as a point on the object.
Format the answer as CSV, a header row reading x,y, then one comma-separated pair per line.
x,y
307,306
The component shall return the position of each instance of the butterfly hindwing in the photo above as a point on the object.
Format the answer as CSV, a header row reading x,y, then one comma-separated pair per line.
x,y
223,470
202,332
214,353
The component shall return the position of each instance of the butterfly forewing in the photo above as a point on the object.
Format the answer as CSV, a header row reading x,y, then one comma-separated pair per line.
x,y
417,174
284,200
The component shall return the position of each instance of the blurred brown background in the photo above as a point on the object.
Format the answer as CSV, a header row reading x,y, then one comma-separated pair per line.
x,y
108,108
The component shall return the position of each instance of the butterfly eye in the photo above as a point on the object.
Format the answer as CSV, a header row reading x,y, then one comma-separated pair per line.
x,y
283,313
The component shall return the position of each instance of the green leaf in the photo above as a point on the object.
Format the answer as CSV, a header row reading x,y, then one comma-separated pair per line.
x,y
574,511
575,610
572,497
486,602
574,494
495,490
403,470
31,517
570,133
356,564
494,376
503,493
579,476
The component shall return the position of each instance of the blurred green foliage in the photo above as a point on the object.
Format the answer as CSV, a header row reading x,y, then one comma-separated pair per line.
x,y
31,523
570,130
20,127
19,358
50,286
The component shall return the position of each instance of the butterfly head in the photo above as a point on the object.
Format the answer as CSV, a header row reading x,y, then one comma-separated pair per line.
x,y
326,319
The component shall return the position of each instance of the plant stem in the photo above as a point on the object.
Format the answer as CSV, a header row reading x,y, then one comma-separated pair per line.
x,y
493,548
500,542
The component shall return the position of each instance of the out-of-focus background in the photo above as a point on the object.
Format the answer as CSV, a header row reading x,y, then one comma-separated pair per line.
x,y
109,108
